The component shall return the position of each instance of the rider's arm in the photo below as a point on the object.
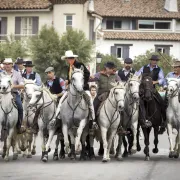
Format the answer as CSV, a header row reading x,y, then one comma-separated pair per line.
x,y
19,81
160,78
117,78
95,77
38,79
63,86
138,73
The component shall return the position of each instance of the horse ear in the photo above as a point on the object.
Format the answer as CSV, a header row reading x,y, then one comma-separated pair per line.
x,y
82,68
131,75
140,77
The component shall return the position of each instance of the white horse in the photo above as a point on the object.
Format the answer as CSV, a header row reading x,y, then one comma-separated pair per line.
x,y
173,116
46,103
28,139
130,114
74,114
8,118
109,117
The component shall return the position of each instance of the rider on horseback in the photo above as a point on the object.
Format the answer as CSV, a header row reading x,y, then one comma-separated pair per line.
x,y
157,76
71,59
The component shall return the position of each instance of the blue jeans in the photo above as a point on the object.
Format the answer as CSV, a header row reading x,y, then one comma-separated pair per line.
x,y
20,109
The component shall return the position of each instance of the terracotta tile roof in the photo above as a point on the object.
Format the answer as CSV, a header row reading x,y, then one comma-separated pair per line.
x,y
24,4
68,1
149,36
134,8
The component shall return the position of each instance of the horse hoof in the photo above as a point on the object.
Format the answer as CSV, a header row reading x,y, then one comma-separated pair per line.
x,y
92,157
125,154
23,148
133,151
82,157
15,156
112,152
33,152
29,156
44,159
6,159
176,155
119,158
55,158
19,151
138,148
155,150
171,154
24,155
104,160
147,158
62,156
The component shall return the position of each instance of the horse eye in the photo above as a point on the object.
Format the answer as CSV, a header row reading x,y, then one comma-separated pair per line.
x,y
131,84
37,95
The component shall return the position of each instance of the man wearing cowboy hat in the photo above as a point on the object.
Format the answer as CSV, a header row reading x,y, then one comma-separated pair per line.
x,y
30,74
158,78
124,73
20,65
17,85
71,60
55,84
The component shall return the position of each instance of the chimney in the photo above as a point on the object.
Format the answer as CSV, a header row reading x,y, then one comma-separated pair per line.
x,y
171,5
91,5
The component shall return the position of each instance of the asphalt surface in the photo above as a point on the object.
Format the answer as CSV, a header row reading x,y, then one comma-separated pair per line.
x,y
160,167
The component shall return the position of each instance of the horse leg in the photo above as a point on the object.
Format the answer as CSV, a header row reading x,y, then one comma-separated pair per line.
x,y
110,140
8,145
104,139
176,147
55,155
83,141
72,153
42,142
82,124
91,148
1,141
15,153
125,154
112,147
134,138
66,140
33,152
137,137
101,149
29,155
156,141
170,135
146,132
51,134
118,149
62,151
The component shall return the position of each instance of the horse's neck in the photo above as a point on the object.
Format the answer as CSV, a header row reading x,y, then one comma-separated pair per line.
x,y
73,96
6,101
174,102
47,98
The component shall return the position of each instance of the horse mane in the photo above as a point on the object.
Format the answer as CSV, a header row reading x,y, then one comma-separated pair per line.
x,y
134,77
53,97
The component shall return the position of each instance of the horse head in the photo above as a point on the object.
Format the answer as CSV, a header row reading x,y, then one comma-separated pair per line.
x,y
173,86
77,79
5,83
117,95
30,87
133,86
36,97
146,87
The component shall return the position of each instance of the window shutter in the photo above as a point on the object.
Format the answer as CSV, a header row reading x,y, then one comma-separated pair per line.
x,y
125,52
35,25
113,51
91,30
167,50
3,27
17,27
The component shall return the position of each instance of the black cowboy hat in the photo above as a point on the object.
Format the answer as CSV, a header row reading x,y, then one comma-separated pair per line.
x,y
128,61
154,57
19,61
28,64
110,65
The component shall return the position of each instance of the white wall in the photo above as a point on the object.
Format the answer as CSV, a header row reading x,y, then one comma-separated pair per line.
x,y
80,17
139,47
44,18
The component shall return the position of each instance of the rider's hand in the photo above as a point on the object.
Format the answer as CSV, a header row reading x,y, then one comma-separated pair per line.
x,y
155,82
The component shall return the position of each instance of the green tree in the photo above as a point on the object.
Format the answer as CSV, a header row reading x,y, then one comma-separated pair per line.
x,y
12,48
106,58
48,47
165,61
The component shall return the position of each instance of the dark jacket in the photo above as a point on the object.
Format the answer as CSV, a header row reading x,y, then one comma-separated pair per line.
x,y
32,76
123,77
86,74
56,87
154,73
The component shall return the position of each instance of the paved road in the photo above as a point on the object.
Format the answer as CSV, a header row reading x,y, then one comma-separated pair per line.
x,y
132,168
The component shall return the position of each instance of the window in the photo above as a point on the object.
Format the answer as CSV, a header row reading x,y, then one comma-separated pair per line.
x,y
26,25
164,49
119,52
69,21
113,24
154,25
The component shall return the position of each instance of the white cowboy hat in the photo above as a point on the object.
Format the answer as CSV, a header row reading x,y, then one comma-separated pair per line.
x,y
69,54
7,61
